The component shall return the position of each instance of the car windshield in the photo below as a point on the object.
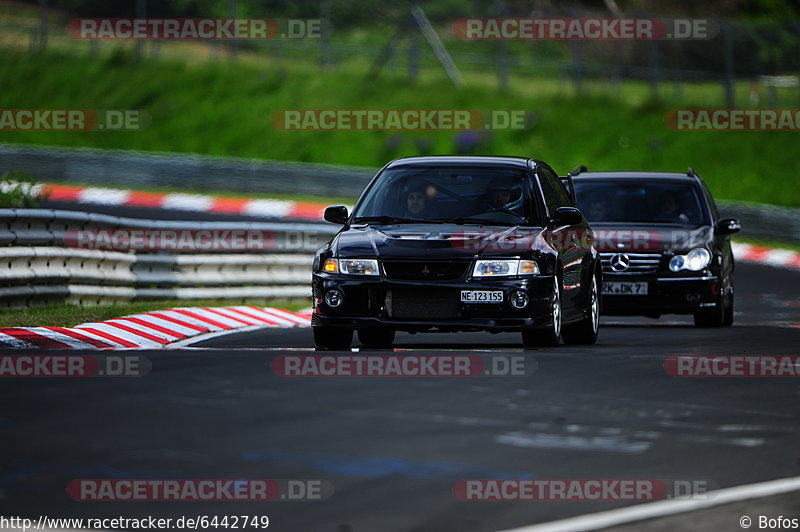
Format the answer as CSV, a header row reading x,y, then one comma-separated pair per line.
x,y
484,195
646,201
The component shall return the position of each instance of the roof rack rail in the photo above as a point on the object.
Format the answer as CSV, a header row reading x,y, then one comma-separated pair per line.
x,y
692,173
578,169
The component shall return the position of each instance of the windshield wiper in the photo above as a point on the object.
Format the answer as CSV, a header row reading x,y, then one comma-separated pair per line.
x,y
477,221
388,220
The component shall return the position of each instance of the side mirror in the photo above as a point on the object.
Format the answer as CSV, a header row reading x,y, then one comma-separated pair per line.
x,y
566,216
728,226
337,214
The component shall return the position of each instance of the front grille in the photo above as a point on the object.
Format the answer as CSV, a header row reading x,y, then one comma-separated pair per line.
x,y
420,304
422,271
637,262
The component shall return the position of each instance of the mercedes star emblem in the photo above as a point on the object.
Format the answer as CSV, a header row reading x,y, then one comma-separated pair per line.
x,y
620,262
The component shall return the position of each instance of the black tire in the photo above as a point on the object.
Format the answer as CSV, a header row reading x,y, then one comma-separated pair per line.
x,y
549,336
585,332
376,336
332,337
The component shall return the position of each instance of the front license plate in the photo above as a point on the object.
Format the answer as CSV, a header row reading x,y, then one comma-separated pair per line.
x,y
624,289
481,296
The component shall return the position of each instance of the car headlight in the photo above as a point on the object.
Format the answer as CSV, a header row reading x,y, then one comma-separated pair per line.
x,y
695,260
358,267
504,268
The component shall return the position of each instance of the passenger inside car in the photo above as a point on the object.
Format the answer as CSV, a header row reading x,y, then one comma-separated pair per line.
x,y
669,208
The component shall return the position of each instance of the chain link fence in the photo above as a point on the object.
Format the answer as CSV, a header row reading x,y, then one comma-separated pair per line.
x,y
391,40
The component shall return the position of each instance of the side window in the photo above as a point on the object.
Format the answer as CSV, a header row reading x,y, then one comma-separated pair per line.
x,y
550,196
557,188
711,202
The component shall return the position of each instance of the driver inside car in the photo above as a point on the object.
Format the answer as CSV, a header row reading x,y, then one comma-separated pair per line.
x,y
419,202
501,195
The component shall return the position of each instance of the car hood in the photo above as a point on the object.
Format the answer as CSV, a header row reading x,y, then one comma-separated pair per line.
x,y
443,241
649,238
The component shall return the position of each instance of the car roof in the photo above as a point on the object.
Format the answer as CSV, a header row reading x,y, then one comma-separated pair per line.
x,y
635,175
429,160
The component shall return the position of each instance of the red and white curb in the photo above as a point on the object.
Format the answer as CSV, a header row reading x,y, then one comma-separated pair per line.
x,y
157,329
267,208
782,258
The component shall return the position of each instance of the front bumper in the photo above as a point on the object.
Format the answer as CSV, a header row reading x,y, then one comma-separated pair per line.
x,y
417,306
665,295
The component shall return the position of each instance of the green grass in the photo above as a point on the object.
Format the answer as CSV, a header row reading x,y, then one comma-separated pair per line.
x,y
71,315
223,108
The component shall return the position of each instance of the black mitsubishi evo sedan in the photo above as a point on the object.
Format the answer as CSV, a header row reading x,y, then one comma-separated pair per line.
x,y
664,247
457,243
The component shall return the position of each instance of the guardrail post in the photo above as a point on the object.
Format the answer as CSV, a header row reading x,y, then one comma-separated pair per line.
x,y
141,12
233,44
42,24
727,47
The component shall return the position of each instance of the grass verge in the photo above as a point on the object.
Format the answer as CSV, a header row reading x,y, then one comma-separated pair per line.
x,y
768,243
225,109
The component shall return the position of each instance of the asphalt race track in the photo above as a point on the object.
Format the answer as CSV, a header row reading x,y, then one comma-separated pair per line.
x,y
392,448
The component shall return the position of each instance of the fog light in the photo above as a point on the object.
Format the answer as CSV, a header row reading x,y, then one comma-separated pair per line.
x,y
519,299
334,298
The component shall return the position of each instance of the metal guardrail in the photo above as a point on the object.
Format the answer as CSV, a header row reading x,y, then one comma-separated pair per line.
x,y
135,169
131,169
768,222
37,267
50,226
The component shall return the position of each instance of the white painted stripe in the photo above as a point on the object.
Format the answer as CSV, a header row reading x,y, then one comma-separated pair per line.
x,y
184,321
779,257
268,207
213,316
63,338
188,202
262,316
189,319
15,342
111,343
291,316
170,326
280,320
216,334
151,332
104,196
107,327
652,510
239,316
